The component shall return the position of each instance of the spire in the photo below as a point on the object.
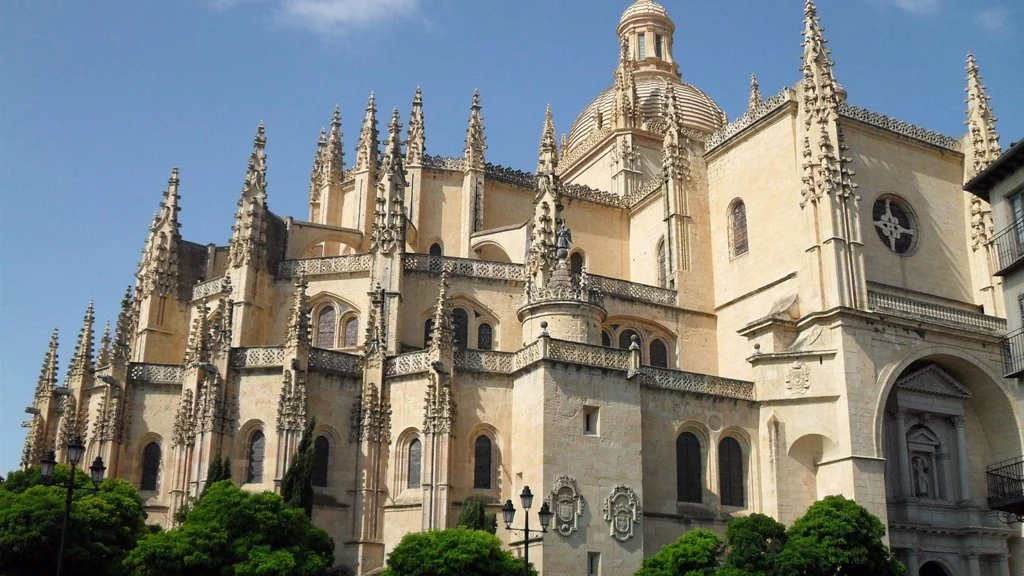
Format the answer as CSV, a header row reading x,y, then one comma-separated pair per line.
x,y
103,358
367,149
317,174
158,269
628,113
416,146
197,351
755,94
983,141
442,334
548,152
335,152
81,360
475,139
675,152
249,233
48,373
298,316
820,86
389,224
123,330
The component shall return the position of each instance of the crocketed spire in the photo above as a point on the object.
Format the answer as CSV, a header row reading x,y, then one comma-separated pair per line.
x,y
367,150
389,218
104,354
126,321
158,269
81,360
755,94
628,111
298,316
48,373
197,351
982,139
476,141
675,155
548,152
249,232
442,334
416,146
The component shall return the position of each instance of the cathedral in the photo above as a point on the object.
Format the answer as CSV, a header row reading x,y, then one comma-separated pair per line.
x,y
677,319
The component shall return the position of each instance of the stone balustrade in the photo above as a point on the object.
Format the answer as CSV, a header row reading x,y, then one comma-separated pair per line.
x,y
150,373
923,311
257,357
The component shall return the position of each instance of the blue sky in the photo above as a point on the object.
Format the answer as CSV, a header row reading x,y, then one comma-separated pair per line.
x,y
99,100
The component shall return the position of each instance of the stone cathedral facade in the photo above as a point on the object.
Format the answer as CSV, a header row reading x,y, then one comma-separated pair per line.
x,y
675,320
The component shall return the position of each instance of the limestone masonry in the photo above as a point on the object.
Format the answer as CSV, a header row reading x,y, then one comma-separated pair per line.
x,y
676,320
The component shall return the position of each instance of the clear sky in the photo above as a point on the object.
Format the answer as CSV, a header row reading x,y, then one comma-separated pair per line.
x,y
99,100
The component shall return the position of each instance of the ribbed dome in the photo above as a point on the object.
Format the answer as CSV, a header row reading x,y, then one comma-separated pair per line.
x,y
699,111
643,8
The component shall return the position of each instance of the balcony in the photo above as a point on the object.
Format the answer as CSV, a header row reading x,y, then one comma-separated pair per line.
x,y
1009,246
1006,489
1013,354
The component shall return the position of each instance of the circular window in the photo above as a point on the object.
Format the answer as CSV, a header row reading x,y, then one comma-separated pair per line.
x,y
895,224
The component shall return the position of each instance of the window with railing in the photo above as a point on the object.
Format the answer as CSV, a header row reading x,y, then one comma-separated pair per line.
x,y
1006,486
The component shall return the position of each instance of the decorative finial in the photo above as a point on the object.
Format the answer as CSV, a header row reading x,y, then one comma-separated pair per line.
x,y
755,94
548,153
368,148
416,145
476,141
81,360
982,138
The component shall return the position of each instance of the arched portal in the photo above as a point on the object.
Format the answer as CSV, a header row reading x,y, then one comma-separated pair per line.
x,y
933,569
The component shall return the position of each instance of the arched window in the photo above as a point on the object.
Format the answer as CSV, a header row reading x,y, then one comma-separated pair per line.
x,y
730,472
485,337
738,228
436,250
254,470
325,325
606,339
321,450
482,462
415,462
659,353
689,483
576,263
428,331
150,466
662,262
626,340
461,320
351,332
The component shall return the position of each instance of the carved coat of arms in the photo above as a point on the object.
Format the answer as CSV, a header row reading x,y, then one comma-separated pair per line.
x,y
622,511
798,378
567,503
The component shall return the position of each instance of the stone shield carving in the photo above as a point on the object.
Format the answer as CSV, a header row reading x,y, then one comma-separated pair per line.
x,y
798,378
622,511
567,504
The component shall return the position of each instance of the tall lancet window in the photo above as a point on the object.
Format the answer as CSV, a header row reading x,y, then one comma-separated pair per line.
x,y
351,332
325,327
321,451
689,478
738,228
662,265
150,466
254,468
482,462
461,320
415,462
730,472
485,337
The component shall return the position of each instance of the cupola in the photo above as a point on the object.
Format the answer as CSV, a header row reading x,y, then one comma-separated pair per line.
x,y
647,30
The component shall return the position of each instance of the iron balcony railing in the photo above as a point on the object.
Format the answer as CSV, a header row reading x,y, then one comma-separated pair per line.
x,y
1006,486
1009,244
1013,354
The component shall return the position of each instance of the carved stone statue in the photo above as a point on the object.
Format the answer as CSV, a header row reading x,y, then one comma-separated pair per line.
x,y
564,242
922,482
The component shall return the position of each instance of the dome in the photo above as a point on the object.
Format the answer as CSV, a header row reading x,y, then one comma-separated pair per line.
x,y
643,8
698,110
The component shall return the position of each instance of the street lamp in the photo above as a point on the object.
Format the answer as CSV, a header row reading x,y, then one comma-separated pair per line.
x,y
75,449
508,512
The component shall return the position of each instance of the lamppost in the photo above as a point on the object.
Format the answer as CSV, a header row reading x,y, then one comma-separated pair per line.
x,y
76,449
508,511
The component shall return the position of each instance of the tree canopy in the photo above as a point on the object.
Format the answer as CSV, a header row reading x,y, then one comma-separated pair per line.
x,y
297,484
695,553
456,552
837,537
474,515
233,532
753,544
105,524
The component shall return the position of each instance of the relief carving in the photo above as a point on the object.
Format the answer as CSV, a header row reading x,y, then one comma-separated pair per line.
x,y
621,511
566,502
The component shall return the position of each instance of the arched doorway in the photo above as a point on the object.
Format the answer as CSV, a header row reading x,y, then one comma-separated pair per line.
x,y
933,569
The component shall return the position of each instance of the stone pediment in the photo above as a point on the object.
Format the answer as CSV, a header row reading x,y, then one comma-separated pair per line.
x,y
933,381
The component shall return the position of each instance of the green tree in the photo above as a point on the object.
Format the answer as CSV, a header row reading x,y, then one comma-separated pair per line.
x,y
105,524
220,469
696,553
297,484
837,537
753,543
474,515
230,531
455,552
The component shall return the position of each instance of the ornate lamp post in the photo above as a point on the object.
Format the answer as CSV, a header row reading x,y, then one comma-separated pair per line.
x,y
508,511
76,449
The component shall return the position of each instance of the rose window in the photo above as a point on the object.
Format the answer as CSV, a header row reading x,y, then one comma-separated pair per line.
x,y
895,224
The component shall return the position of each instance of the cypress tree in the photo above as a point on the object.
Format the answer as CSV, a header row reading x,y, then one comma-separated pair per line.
x,y
297,484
